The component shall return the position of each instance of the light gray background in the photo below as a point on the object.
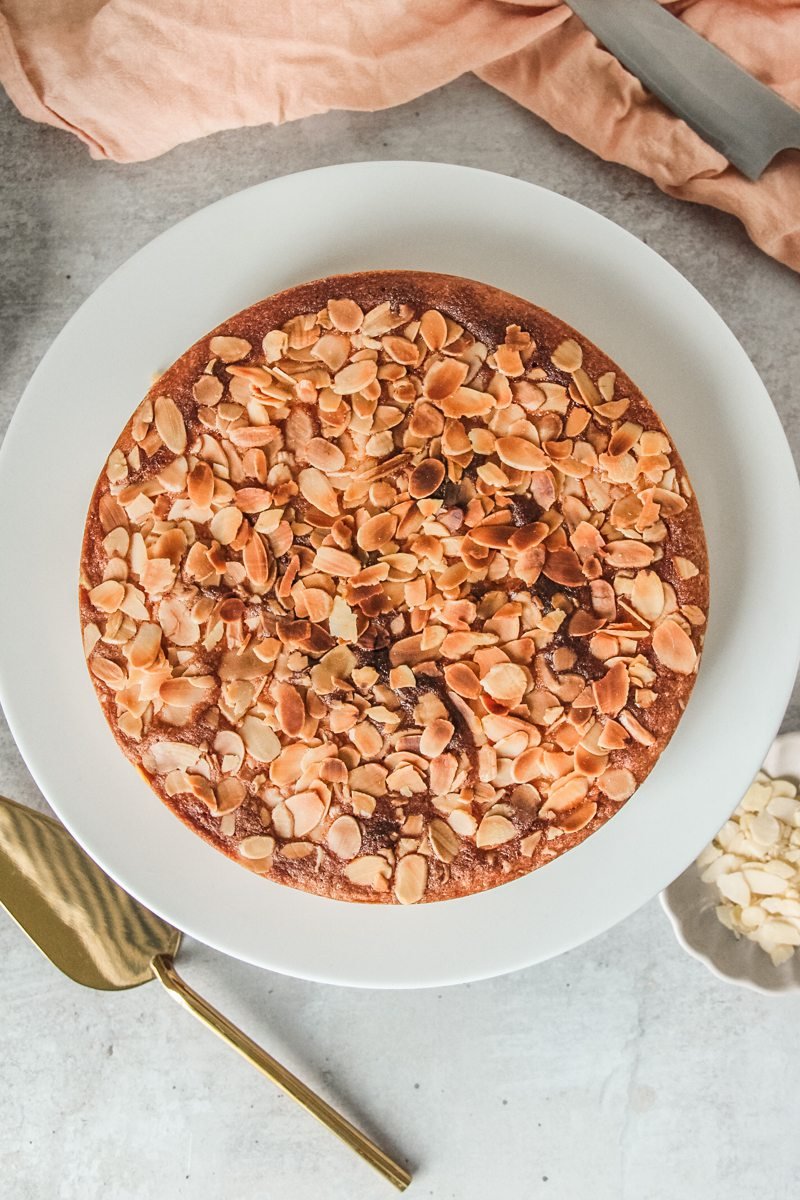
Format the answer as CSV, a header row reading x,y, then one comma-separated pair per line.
x,y
621,1071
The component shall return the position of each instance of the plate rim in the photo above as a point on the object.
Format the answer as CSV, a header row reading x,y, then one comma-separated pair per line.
x,y
449,974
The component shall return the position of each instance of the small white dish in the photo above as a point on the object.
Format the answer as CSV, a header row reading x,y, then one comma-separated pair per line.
x,y
689,903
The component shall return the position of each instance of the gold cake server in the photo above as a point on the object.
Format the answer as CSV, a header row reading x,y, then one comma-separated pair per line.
x,y
101,937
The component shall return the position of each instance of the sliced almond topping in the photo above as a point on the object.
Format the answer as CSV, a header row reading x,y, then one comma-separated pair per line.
x,y
289,709
443,839
372,870
611,691
494,830
344,837
376,531
335,562
567,356
307,810
426,478
579,818
224,525
433,329
345,315
258,846
182,693
674,648
506,682
628,553
324,455
521,454
444,378
685,568
410,879
108,596
355,377
229,349
259,739
436,738
231,794
617,783
423,575
200,485
170,425
316,489
647,596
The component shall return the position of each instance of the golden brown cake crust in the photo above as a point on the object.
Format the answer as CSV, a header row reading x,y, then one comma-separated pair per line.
x,y
609,680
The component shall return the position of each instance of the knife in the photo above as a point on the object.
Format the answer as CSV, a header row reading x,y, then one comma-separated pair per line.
x,y
742,118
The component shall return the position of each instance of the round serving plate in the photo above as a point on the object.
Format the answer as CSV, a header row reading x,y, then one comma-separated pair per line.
x,y
431,217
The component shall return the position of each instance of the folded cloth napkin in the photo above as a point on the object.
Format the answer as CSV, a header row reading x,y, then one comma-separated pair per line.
x,y
133,78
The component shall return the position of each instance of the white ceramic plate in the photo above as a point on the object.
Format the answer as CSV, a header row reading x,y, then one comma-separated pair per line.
x,y
689,903
441,218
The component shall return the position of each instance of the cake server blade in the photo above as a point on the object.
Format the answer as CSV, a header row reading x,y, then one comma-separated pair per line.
x,y
102,938
742,118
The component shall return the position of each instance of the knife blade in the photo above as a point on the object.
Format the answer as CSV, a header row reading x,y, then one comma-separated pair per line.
x,y
742,118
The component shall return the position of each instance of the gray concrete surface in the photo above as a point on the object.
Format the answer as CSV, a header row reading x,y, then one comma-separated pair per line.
x,y
622,1071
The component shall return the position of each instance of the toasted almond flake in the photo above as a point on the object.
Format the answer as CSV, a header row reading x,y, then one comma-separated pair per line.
x,y
324,455
332,561
182,693
579,818
225,524
494,830
231,794
648,596
436,738
229,349
444,378
684,567
376,531
345,315
443,839
344,837
255,560
256,847
260,741
618,783
109,672
505,682
462,680
371,870
170,424
674,648
521,454
433,329
410,879
426,478
628,553
567,356
316,489
342,621
163,757
307,810
611,690
355,377
108,596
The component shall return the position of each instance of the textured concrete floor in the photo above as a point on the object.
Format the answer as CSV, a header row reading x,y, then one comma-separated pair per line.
x,y
622,1070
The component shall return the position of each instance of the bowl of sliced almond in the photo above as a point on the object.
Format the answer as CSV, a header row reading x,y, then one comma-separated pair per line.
x,y
737,908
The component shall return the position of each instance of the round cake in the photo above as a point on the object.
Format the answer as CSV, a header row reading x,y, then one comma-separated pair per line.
x,y
394,587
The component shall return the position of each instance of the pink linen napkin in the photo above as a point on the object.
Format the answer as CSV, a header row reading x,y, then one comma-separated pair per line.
x,y
133,78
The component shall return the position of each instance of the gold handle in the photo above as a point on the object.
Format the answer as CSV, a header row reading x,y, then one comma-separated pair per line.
x,y
165,972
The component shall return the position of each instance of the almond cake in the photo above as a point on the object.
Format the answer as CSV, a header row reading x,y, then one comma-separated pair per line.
x,y
394,587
